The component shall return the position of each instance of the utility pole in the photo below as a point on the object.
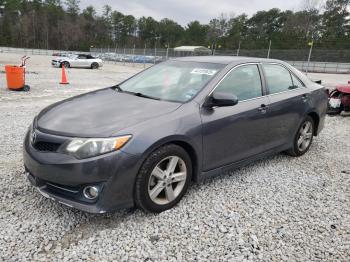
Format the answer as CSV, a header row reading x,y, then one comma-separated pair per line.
x,y
167,51
311,44
155,48
47,37
268,52
239,48
144,57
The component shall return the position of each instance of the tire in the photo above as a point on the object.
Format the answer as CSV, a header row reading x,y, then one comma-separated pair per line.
x,y
66,64
94,66
156,195
26,88
300,148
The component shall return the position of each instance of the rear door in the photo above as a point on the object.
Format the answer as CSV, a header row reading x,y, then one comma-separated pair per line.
x,y
288,99
231,134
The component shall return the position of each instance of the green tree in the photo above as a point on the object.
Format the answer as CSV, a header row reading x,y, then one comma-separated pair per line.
x,y
335,20
171,32
72,7
148,30
196,34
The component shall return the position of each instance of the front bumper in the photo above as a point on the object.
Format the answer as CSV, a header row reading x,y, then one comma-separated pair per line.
x,y
62,178
55,63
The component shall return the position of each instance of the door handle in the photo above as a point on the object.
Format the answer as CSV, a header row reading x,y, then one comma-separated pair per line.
x,y
304,97
263,108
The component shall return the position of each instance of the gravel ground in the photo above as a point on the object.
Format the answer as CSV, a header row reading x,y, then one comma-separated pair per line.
x,y
278,209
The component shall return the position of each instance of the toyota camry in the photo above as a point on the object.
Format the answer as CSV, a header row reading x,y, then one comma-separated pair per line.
x,y
142,142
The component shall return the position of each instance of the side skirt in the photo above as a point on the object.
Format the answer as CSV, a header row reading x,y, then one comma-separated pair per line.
x,y
220,170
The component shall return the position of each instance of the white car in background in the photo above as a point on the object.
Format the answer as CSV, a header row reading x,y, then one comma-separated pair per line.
x,y
79,60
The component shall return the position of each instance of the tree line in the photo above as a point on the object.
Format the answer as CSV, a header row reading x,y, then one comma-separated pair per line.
x,y
56,24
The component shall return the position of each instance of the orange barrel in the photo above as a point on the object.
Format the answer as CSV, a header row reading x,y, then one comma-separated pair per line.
x,y
14,77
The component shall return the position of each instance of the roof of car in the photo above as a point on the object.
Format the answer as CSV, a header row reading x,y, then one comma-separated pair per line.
x,y
224,59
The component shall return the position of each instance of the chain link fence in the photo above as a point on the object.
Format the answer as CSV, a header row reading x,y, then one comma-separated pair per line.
x,y
322,60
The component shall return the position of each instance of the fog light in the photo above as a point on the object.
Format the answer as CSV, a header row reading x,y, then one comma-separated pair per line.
x,y
91,192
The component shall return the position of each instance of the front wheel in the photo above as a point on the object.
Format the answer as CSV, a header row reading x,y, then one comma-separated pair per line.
x,y
66,64
303,138
163,179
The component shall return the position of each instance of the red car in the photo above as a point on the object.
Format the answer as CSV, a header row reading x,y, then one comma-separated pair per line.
x,y
339,99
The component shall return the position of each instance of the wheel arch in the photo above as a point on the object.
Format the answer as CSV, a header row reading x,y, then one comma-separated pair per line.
x,y
64,62
186,144
316,118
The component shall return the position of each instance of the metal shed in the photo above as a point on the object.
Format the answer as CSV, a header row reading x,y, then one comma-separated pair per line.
x,y
192,50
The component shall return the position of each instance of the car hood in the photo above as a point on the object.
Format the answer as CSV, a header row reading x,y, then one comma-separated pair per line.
x,y
100,113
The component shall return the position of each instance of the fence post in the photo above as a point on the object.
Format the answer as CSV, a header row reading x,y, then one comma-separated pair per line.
x,y
144,57
239,47
167,52
309,58
115,53
124,56
155,52
268,52
133,56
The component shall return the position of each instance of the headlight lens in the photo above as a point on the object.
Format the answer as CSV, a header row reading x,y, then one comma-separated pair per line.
x,y
84,148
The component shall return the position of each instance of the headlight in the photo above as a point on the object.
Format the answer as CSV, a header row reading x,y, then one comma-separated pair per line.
x,y
84,148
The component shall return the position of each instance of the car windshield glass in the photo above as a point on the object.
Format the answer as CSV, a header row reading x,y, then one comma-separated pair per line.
x,y
176,81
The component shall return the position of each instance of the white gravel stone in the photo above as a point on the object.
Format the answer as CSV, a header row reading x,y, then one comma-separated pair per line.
x,y
278,209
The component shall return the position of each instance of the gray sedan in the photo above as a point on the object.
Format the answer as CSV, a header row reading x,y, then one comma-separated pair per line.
x,y
142,142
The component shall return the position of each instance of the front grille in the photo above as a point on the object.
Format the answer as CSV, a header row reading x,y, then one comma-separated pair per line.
x,y
46,146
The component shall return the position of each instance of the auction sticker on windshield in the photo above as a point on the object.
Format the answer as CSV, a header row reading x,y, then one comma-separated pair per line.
x,y
203,71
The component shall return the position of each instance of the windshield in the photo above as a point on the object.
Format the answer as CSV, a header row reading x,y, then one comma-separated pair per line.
x,y
177,81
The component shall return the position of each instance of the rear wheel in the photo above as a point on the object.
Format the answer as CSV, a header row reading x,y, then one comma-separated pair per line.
x,y
94,66
163,179
303,138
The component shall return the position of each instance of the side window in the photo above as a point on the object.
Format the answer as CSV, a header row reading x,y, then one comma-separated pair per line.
x,y
278,78
296,82
81,57
244,82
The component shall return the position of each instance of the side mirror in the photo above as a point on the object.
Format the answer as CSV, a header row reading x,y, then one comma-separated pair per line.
x,y
221,99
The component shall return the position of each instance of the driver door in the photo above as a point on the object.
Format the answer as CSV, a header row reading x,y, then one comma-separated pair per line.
x,y
81,61
231,134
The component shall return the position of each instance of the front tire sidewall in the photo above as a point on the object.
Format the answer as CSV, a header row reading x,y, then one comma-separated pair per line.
x,y
94,66
142,197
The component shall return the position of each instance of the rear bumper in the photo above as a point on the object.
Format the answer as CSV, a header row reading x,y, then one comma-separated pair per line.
x,y
62,178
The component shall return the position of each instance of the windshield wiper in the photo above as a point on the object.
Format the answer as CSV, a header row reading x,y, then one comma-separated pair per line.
x,y
145,96
119,89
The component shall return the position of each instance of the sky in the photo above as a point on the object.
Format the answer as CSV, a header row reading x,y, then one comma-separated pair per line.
x,y
184,11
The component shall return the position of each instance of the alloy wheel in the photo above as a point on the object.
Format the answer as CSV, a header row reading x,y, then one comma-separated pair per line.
x,y
305,136
167,180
